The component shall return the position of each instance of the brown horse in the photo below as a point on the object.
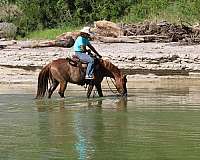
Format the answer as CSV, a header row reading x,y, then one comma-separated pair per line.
x,y
62,71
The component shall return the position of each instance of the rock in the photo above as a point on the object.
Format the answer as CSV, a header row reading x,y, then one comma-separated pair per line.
x,y
8,30
107,29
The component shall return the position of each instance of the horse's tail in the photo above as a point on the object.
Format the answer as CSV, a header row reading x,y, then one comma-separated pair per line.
x,y
43,78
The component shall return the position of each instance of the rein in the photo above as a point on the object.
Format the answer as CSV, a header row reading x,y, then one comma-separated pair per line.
x,y
110,87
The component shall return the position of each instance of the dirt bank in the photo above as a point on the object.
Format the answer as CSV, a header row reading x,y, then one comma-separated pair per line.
x,y
18,65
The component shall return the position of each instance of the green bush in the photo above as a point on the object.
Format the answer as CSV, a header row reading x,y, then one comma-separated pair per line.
x,y
52,13
47,14
171,10
8,12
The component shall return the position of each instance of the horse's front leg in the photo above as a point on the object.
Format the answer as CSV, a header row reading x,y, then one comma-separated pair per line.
x,y
89,91
99,89
63,86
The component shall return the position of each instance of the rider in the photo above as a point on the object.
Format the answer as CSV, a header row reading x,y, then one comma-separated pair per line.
x,y
80,49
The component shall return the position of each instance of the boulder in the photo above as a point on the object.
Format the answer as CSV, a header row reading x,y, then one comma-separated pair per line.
x,y
8,30
107,29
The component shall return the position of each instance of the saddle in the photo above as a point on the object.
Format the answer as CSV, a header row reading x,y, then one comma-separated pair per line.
x,y
82,65
75,61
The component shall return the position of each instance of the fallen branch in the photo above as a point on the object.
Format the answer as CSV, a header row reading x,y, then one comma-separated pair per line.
x,y
145,36
119,40
67,42
4,44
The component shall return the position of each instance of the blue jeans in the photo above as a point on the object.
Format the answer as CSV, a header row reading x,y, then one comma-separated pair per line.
x,y
88,59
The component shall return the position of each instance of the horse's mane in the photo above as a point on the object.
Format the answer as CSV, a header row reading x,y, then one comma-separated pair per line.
x,y
111,67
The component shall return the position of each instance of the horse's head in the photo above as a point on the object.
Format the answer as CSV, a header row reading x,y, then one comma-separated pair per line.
x,y
110,70
121,84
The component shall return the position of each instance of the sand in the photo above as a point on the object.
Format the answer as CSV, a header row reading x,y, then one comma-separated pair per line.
x,y
139,60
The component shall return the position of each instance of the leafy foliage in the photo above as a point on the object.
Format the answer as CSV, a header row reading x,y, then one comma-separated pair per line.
x,y
171,10
52,13
47,14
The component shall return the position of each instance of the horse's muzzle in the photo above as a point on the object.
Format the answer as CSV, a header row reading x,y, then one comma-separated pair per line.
x,y
124,94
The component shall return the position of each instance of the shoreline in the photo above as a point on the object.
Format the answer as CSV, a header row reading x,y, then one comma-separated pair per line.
x,y
22,65
152,83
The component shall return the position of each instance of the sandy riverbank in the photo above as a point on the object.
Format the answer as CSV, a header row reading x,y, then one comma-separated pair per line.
x,y
22,65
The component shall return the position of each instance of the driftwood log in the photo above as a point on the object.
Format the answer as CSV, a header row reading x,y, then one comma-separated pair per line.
x,y
133,39
66,35
67,42
4,44
118,40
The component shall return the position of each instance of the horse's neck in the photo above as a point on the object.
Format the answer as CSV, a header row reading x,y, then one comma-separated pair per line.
x,y
111,70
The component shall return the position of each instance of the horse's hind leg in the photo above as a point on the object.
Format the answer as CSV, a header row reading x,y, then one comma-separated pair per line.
x,y
63,86
52,88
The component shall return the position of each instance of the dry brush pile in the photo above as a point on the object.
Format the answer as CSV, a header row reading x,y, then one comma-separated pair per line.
x,y
149,32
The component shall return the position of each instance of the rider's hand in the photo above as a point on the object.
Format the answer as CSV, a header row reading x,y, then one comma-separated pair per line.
x,y
89,51
99,56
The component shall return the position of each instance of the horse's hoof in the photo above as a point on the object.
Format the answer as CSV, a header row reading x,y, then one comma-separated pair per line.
x,y
61,95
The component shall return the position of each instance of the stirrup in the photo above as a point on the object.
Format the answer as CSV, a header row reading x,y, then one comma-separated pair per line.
x,y
89,77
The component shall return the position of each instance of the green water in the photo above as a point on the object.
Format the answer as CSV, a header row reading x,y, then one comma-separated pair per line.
x,y
158,121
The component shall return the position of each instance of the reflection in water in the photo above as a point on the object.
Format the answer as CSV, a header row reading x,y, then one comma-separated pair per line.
x,y
122,104
119,104
84,133
90,129
87,127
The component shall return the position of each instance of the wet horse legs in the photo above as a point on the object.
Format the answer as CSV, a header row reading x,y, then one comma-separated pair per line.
x,y
90,87
52,88
99,90
98,87
63,86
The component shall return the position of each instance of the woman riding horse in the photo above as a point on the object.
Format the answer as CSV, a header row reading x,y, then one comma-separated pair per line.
x,y
61,71
80,45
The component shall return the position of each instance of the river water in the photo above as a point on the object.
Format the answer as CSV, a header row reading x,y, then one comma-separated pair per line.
x,y
160,119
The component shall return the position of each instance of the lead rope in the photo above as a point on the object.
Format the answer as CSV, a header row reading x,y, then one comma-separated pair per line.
x,y
110,87
94,92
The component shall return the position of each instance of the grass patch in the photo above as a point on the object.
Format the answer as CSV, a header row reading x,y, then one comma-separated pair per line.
x,y
172,11
49,34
